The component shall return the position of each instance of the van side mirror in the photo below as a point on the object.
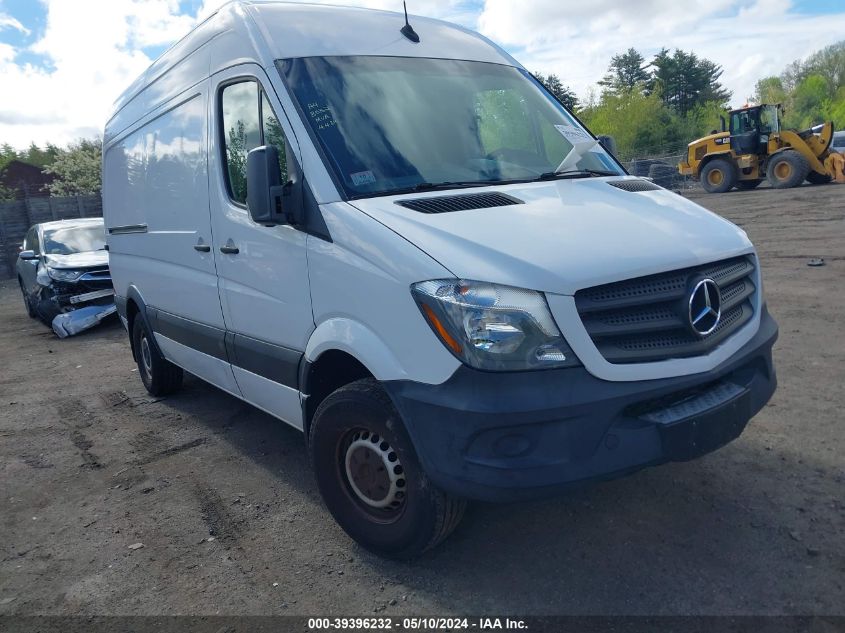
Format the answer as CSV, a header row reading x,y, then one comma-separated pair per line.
x,y
28,255
264,187
608,142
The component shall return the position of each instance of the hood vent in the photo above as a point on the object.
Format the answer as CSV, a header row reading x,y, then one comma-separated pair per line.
x,y
462,202
634,185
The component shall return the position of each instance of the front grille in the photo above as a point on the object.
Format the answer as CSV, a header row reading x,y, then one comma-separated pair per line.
x,y
461,202
94,280
647,319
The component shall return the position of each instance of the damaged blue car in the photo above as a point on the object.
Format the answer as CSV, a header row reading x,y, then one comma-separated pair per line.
x,y
64,266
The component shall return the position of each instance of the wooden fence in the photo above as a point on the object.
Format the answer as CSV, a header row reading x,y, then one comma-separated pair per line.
x,y
17,216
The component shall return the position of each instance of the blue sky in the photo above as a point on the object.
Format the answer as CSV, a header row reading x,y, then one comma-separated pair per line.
x,y
63,62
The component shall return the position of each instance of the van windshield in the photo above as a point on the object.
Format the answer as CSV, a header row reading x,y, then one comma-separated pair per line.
x,y
388,124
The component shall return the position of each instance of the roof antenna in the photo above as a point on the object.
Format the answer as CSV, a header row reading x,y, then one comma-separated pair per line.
x,y
408,30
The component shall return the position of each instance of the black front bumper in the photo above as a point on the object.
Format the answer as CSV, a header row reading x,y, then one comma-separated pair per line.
x,y
504,436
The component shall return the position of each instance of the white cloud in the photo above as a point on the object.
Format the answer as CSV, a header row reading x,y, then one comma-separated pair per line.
x,y
8,22
93,53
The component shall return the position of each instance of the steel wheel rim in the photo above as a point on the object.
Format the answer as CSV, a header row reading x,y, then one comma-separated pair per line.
x,y
783,170
373,473
146,357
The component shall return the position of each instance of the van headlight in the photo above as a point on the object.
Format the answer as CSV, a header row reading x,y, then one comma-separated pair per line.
x,y
63,274
493,327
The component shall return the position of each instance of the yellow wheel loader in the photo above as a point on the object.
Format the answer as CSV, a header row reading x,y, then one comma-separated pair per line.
x,y
755,148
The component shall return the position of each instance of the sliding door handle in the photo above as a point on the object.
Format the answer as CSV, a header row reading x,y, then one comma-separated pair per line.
x,y
230,250
202,248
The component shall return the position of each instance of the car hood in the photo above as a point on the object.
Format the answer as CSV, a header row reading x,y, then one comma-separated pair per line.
x,y
88,259
567,234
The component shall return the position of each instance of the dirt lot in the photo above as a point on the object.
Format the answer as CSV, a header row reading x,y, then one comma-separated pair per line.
x,y
90,465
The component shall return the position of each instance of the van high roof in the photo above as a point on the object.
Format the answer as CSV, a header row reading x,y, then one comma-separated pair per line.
x,y
262,32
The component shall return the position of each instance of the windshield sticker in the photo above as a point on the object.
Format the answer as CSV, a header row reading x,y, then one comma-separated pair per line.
x,y
573,134
320,116
362,178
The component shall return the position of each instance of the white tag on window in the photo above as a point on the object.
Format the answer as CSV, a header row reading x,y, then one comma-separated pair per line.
x,y
362,178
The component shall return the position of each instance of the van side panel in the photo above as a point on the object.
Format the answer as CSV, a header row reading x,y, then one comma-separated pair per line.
x,y
157,213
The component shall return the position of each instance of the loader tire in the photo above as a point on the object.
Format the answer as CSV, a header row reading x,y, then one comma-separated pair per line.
x,y
718,176
787,169
815,178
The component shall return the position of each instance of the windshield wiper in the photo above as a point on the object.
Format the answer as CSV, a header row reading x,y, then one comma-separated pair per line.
x,y
435,186
578,173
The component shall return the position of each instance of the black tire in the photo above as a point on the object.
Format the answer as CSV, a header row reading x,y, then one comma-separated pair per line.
x,y
747,185
160,376
787,169
30,311
815,178
663,175
354,422
718,176
640,166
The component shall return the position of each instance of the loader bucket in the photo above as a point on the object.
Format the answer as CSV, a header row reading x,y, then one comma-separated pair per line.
x,y
835,166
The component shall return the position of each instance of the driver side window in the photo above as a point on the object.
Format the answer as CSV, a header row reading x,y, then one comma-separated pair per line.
x,y
247,122
30,242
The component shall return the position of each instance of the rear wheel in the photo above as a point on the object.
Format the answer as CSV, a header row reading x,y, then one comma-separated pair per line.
x,y
747,185
369,476
30,311
160,376
787,169
815,178
718,176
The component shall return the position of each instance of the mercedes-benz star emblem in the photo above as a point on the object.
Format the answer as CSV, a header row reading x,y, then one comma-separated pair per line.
x,y
705,307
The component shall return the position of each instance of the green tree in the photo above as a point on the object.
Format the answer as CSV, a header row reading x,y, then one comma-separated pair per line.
x,y
828,63
554,85
639,122
686,82
835,109
77,169
34,155
770,90
809,101
626,71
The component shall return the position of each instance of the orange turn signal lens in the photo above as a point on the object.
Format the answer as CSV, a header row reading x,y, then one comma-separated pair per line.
x,y
441,331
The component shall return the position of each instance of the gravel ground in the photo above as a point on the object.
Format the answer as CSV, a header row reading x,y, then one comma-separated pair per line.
x,y
91,465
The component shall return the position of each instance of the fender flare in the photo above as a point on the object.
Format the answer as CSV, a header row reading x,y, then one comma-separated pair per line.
x,y
360,342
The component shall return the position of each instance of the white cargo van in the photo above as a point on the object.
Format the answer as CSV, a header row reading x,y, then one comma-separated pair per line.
x,y
394,239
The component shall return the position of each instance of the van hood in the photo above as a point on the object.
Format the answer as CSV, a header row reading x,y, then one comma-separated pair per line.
x,y
88,259
567,234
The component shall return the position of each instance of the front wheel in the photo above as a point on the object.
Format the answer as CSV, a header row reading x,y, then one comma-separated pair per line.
x,y
27,302
370,478
815,178
787,169
718,176
160,376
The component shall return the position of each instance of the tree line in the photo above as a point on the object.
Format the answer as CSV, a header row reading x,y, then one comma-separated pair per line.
x,y
657,106
811,91
75,168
